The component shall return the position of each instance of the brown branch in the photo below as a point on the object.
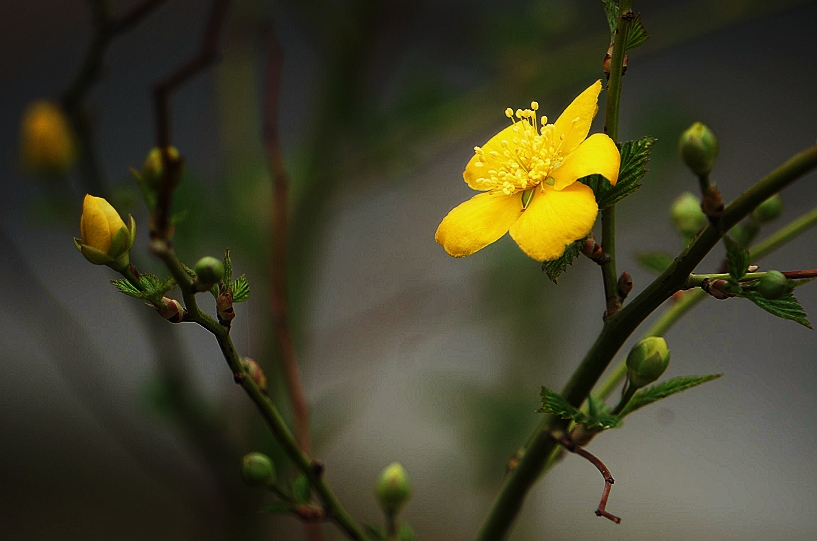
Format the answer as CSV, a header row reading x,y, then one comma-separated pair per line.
x,y
568,444
278,264
160,221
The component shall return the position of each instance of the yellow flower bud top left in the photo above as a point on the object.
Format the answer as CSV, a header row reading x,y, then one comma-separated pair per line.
x,y
46,141
106,240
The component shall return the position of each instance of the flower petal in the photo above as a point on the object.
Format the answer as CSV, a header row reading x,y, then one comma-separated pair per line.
x,y
478,222
598,154
94,223
473,172
554,219
574,122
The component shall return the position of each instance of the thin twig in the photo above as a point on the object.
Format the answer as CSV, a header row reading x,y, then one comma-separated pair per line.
x,y
568,444
278,264
160,221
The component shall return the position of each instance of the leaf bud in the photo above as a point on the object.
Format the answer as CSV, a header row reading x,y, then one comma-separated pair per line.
x,y
625,285
647,360
47,144
393,488
209,272
773,285
255,373
153,168
686,214
769,210
171,309
258,470
698,148
106,240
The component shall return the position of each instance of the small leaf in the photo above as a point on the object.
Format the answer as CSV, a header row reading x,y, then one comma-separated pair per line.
x,y
405,533
552,402
277,507
301,490
154,289
612,11
737,259
603,421
634,158
663,390
637,35
556,267
656,262
241,289
127,288
786,307
375,532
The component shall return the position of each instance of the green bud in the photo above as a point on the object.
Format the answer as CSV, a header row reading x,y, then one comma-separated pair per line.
x,y
152,169
209,271
647,360
258,470
687,215
698,148
769,210
773,285
393,488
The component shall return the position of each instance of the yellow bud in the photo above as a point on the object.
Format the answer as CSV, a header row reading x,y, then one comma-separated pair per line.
x,y
46,142
106,240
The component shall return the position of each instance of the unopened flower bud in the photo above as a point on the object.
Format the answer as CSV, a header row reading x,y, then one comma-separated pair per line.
x,y
769,210
698,148
209,271
106,240
258,470
47,143
153,168
687,215
255,373
393,488
171,309
773,285
647,360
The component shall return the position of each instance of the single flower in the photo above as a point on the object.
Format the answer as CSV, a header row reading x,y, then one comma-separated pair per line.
x,y
106,240
528,175
46,141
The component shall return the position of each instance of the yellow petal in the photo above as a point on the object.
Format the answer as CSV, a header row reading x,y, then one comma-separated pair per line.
x,y
598,154
574,122
473,172
554,219
478,222
99,223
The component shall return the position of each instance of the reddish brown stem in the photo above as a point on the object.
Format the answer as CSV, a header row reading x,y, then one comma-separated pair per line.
x,y
278,263
800,274
568,444
160,221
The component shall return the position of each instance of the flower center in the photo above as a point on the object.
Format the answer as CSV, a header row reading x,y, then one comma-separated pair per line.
x,y
523,161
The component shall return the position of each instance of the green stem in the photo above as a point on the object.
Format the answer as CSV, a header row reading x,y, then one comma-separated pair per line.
x,y
312,470
625,399
608,215
617,330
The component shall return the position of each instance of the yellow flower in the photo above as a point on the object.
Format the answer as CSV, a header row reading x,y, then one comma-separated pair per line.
x,y
529,174
106,240
46,141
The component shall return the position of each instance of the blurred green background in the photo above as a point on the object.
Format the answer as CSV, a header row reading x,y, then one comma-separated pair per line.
x,y
117,425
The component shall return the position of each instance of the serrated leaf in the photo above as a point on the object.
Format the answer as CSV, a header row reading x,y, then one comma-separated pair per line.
x,y
375,532
276,507
637,35
663,390
556,267
127,288
612,11
737,259
405,533
154,288
634,158
603,421
553,402
786,307
301,491
241,289
656,262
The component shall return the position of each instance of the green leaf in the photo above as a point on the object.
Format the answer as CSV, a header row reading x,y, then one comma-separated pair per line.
x,y
737,259
405,533
656,262
241,289
663,390
301,491
154,288
634,158
552,402
375,532
786,307
127,288
556,267
612,11
637,35
277,507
